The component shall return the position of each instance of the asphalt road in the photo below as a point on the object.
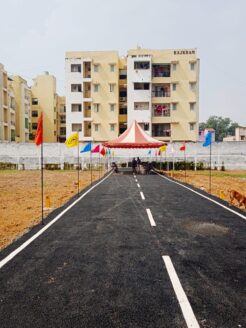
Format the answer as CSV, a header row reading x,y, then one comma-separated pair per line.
x,y
101,264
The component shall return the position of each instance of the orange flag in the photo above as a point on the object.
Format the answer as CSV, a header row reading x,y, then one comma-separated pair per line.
x,y
39,132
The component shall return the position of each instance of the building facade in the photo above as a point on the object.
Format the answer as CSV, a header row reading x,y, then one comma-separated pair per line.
x,y
163,92
44,99
157,88
92,94
22,94
7,108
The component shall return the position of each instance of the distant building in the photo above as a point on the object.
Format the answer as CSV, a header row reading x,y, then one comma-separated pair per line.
x,y
240,135
22,94
44,100
7,108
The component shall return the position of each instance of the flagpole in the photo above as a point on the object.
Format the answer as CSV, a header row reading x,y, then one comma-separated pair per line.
x,y
78,165
91,164
99,164
42,180
185,161
210,169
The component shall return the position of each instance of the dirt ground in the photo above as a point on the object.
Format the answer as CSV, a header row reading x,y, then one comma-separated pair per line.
x,y
20,194
221,181
20,206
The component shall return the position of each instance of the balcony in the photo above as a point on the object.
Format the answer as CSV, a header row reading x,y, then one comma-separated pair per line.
x,y
161,70
161,130
87,129
161,90
87,70
161,110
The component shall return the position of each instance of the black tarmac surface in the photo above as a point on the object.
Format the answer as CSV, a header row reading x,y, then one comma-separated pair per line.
x,y
101,264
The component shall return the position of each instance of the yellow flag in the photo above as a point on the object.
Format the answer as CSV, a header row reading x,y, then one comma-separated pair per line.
x,y
73,140
163,148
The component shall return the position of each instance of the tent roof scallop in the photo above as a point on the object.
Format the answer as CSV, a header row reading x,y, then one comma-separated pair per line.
x,y
134,137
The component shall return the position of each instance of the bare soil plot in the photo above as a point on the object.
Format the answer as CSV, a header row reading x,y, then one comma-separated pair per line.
x,y
222,181
20,197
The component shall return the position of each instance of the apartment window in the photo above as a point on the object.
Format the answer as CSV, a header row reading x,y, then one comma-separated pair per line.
x,y
54,133
54,121
34,126
75,68
174,66
123,111
96,108
141,65
161,70
192,106
76,127
123,74
62,131
141,105
26,123
96,127
174,86
192,66
34,101
96,68
111,87
96,87
192,126
112,127
76,88
34,113
193,86
174,106
112,67
76,108
62,119
111,106
141,86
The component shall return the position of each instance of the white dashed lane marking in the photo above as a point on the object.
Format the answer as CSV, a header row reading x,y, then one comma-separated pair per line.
x,y
142,195
181,296
151,220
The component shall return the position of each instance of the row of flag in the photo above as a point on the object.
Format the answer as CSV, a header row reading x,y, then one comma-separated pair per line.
x,y
73,141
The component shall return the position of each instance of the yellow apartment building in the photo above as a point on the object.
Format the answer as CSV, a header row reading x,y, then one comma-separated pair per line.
x,y
92,95
7,108
163,92
157,88
44,99
61,118
22,94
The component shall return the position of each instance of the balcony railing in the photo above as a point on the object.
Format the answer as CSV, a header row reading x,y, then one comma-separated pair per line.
x,y
164,133
161,111
161,93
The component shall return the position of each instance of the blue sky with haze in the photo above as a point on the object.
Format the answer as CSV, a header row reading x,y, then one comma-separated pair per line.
x,y
35,35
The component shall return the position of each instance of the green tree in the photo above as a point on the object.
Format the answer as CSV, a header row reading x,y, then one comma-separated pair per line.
x,y
222,126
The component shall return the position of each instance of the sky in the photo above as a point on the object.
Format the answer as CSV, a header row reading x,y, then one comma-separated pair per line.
x,y
34,36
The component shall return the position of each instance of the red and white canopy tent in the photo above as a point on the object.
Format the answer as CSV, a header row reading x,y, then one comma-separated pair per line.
x,y
134,137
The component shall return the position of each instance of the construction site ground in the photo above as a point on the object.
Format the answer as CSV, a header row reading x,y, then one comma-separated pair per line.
x,y
20,206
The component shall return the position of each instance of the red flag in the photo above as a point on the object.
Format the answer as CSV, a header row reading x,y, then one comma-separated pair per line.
x,y
183,147
39,132
103,152
96,149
